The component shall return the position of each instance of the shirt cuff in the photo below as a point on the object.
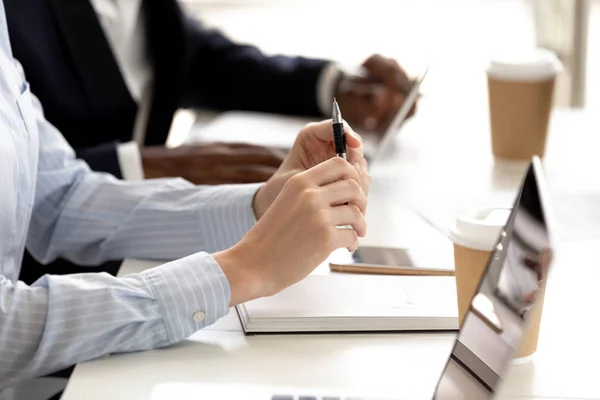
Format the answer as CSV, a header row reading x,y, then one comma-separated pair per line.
x,y
130,161
192,293
326,87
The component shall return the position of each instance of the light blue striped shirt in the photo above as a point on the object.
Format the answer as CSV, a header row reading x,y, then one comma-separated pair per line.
x,y
55,206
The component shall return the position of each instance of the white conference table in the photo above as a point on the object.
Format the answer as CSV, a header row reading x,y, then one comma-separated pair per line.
x,y
440,161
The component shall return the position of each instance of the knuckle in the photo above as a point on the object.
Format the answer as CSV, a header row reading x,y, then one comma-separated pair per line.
x,y
338,162
377,57
298,181
354,172
306,129
309,126
311,198
312,127
353,189
353,185
364,192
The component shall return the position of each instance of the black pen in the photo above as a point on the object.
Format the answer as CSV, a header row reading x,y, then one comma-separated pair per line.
x,y
338,131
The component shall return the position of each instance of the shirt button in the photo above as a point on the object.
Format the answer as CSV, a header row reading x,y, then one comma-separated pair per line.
x,y
199,316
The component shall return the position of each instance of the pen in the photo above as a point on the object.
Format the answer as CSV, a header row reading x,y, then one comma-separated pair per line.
x,y
338,131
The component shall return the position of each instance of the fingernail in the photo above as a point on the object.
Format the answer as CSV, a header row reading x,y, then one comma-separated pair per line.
x,y
353,134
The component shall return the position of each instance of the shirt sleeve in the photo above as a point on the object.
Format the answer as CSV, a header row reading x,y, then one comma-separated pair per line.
x,y
130,161
326,87
63,320
90,217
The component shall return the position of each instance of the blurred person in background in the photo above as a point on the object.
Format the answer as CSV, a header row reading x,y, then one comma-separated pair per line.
x,y
95,64
111,71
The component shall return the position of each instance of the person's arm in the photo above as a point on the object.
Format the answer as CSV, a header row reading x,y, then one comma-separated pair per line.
x,y
64,320
102,158
90,217
226,75
122,160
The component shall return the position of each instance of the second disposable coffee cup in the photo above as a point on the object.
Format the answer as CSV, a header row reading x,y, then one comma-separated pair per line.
x,y
474,236
520,91
528,346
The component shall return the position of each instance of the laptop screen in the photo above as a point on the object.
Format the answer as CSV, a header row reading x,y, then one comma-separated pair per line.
x,y
399,118
494,326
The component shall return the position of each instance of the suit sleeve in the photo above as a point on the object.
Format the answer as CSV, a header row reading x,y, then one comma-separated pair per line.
x,y
102,158
226,75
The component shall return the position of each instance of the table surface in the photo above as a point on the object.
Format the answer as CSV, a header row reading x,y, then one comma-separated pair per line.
x,y
439,162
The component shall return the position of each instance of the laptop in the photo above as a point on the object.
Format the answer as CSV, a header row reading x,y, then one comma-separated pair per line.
x,y
279,131
491,332
378,147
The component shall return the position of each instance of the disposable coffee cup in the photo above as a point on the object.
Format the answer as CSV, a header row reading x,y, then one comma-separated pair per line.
x,y
528,346
526,350
474,236
520,93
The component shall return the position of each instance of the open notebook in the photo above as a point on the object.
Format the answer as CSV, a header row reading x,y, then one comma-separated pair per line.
x,y
355,303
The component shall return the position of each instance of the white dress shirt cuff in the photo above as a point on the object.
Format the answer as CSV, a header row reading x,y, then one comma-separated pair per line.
x,y
326,87
192,293
130,161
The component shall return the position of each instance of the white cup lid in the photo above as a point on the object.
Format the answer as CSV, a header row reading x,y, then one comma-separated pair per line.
x,y
479,229
525,65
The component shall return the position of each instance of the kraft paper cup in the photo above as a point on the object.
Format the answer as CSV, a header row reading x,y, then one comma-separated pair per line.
x,y
526,350
520,94
474,236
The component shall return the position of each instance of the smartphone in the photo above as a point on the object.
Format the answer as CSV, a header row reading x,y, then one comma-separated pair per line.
x,y
394,261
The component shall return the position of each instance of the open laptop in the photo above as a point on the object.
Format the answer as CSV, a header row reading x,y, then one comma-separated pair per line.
x,y
491,332
278,131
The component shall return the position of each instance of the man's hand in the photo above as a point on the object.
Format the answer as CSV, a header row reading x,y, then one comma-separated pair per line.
x,y
313,145
212,163
298,231
372,102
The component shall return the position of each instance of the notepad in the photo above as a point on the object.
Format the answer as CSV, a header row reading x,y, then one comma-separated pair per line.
x,y
356,303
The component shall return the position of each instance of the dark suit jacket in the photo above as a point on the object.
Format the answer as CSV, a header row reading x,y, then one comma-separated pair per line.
x,y
71,68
